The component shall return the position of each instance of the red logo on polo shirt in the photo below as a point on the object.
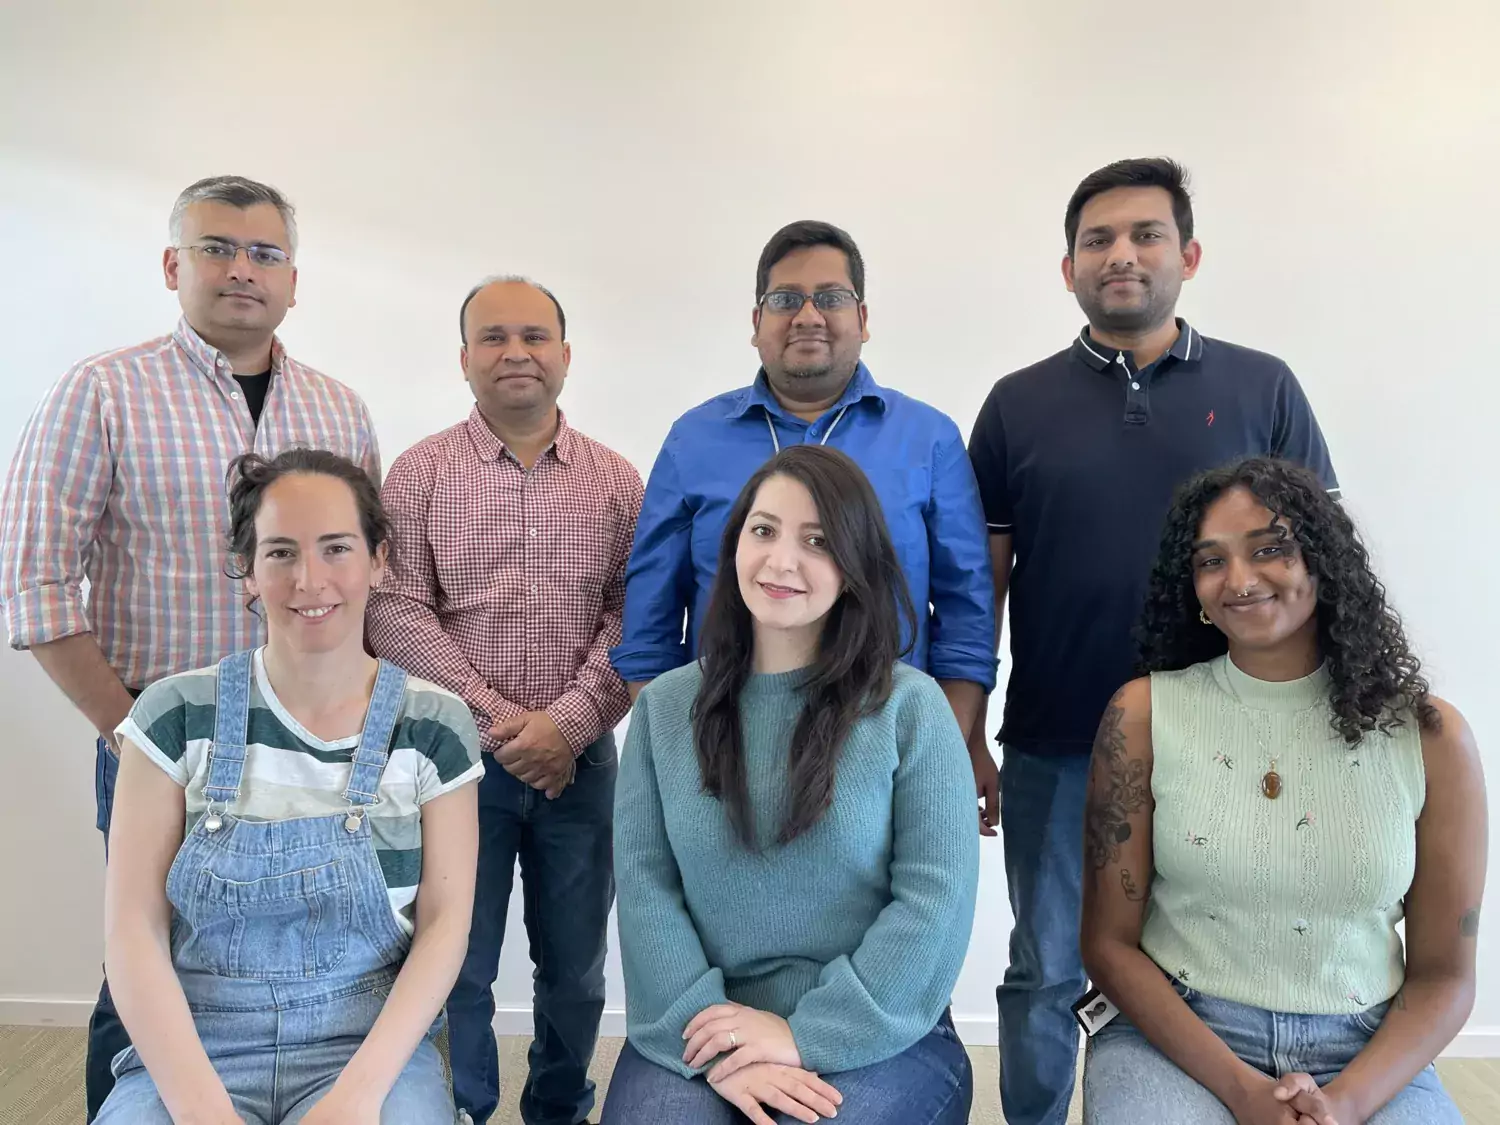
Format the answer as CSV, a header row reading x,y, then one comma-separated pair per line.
x,y
1210,417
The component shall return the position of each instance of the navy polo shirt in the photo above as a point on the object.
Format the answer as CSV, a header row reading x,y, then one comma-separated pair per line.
x,y
1077,459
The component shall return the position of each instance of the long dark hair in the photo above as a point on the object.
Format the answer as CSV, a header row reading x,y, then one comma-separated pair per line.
x,y
1377,682
868,629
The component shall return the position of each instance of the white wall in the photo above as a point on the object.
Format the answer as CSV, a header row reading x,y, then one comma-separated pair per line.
x,y
636,157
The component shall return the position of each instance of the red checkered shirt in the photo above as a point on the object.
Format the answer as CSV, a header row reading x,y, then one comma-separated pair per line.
x,y
509,582
119,479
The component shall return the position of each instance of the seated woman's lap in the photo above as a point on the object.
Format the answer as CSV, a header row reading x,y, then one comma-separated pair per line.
x,y
419,1097
931,1083
1124,1075
134,1101
640,1090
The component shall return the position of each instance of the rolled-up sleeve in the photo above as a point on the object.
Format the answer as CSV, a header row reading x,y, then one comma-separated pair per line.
x,y
55,496
963,597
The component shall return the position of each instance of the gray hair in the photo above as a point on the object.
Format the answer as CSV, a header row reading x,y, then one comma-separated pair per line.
x,y
237,191
502,278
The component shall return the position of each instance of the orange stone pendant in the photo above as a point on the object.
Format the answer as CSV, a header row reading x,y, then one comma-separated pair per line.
x,y
1270,785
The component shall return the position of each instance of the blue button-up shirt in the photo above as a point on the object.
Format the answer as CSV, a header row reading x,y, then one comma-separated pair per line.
x,y
915,459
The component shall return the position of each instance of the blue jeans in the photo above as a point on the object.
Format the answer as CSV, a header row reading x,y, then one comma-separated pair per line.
x,y
107,1035
1041,822
1127,1080
566,849
930,1083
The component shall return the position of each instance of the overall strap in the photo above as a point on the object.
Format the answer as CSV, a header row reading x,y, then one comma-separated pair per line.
x,y
373,752
226,754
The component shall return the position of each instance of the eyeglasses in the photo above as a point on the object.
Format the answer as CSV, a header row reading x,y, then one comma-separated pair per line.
x,y
224,253
789,302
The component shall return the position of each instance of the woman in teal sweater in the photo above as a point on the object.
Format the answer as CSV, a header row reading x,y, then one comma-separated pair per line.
x,y
795,850
1263,810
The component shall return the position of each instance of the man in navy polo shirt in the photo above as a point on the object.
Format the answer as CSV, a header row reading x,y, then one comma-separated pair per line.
x,y
810,321
1077,458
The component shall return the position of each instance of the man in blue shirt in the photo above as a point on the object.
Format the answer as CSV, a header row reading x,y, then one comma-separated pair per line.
x,y
810,321
1077,458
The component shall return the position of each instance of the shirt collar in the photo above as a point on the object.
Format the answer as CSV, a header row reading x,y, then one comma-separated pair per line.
x,y
491,448
758,393
1187,348
205,357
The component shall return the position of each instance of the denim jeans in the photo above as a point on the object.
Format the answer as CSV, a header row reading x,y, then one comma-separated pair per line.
x,y
107,1035
1127,1080
566,849
1041,823
930,1083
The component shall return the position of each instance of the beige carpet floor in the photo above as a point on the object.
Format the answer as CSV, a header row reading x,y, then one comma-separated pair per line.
x,y
41,1079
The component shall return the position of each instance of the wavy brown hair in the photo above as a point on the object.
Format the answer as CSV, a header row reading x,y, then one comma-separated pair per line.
x,y
1377,681
868,629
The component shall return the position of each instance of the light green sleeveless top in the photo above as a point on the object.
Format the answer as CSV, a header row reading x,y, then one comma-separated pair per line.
x,y
1289,904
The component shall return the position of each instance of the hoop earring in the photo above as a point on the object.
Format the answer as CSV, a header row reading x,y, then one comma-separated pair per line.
x,y
1203,617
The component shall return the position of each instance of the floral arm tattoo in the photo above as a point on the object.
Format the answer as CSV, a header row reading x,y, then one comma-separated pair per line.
x,y
1118,787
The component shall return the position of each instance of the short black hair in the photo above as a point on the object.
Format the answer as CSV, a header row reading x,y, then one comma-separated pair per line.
x,y
463,309
1154,171
799,236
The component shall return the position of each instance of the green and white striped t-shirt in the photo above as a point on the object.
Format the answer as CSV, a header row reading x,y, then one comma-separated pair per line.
x,y
291,773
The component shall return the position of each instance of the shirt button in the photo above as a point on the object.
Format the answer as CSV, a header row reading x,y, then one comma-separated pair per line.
x,y
235,395
1135,386
533,533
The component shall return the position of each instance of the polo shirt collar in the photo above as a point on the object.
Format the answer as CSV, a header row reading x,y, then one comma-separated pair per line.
x,y
1187,348
206,358
758,393
491,448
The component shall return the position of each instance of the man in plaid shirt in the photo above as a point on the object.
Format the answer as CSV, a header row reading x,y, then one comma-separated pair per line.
x,y
512,531
119,479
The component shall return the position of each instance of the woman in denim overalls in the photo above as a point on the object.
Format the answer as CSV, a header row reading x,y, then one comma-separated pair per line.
x,y
262,973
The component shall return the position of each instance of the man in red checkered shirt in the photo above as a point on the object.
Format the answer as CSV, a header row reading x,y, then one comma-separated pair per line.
x,y
512,531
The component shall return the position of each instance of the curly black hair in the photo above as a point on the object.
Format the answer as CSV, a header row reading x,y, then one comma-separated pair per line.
x,y
1376,680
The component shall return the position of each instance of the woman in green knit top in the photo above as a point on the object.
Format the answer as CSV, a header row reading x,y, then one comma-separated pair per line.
x,y
1263,810
795,850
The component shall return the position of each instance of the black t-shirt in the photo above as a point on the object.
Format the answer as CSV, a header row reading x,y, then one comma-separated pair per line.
x,y
1077,459
255,388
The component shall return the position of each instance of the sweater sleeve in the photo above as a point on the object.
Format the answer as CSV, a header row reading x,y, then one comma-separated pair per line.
x,y
668,979
877,1002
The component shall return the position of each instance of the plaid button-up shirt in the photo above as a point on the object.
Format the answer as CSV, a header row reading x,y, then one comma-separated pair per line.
x,y
119,478
510,582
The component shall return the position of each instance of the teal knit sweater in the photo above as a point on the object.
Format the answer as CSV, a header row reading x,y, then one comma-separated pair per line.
x,y
854,932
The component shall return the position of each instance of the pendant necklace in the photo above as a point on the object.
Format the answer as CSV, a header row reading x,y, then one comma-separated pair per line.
x,y
1270,784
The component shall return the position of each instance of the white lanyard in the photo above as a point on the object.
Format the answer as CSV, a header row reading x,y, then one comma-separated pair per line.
x,y
828,433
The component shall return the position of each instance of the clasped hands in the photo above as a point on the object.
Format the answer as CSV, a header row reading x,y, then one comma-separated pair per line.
x,y
1294,1099
533,751
759,1064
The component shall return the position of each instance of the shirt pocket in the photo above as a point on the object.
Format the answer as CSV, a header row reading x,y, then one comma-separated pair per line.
x,y
292,926
578,540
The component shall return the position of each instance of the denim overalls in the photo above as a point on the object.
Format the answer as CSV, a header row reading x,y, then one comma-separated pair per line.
x,y
283,937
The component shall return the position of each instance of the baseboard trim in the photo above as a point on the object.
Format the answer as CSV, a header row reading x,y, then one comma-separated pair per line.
x,y
25,1011
977,1031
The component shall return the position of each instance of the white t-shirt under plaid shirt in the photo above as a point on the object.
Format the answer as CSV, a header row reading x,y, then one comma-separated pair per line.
x,y
291,773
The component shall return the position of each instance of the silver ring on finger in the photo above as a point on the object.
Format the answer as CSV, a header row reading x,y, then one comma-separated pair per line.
x,y
733,1041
